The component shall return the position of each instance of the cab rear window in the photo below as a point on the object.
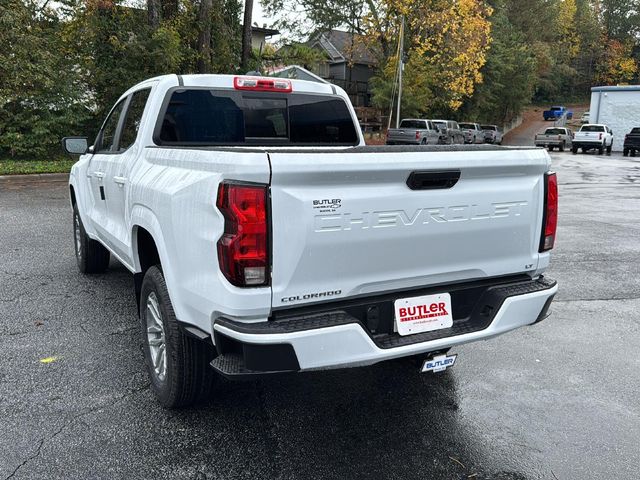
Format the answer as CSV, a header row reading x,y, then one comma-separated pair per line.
x,y
413,124
200,116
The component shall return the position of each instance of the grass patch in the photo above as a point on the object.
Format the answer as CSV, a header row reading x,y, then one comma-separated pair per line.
x,y
21,167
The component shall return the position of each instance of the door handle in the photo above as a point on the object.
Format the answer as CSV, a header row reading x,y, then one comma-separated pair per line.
x,y
433,179
99,175
120,180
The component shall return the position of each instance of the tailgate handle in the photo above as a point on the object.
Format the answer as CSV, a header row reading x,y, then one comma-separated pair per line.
x,y
433,179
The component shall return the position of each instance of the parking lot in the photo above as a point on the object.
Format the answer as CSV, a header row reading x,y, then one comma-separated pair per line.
x,y
554,401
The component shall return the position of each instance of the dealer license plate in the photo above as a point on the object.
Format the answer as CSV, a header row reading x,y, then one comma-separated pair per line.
x,y
423,314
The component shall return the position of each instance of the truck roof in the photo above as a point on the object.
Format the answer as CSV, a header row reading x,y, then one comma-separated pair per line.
x,y
226,81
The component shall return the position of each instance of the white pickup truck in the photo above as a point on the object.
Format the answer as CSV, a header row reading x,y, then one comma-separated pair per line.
x,y
593,137
264,236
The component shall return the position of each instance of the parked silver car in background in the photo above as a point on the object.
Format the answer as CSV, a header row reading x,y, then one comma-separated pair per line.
x,y
492,134
450,132
413,131
555,137
472,132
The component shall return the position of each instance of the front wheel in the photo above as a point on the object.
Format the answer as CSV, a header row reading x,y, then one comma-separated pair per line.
x,y
178,365
91,256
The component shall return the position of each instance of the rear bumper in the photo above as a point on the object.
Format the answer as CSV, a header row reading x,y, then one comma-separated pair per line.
x,y
338,338
588,143
550,143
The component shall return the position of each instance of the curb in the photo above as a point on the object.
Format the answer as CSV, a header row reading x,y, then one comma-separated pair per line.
x,y
35,177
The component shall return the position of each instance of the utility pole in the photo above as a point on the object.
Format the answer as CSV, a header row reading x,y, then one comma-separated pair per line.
x,y
400,68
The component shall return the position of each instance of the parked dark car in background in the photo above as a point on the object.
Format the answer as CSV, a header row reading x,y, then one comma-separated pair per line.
x,y
631,142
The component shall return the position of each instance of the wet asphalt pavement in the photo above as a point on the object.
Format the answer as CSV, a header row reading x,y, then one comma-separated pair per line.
x,y
555,401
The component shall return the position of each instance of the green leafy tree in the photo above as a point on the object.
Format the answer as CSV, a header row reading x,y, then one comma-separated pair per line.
x,y
508,76
41,96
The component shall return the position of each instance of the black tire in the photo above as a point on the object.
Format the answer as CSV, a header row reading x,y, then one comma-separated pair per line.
x,y
609,149
91,255
562,146
423,141
633,153
550,149
625,152
600,150
188,378
574,150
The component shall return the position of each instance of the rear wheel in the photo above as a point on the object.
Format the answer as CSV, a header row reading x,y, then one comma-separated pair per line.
x,y
91,256
550,149
574,150
178,365
423,142
609,149
625,152
562,146
601,150
633,153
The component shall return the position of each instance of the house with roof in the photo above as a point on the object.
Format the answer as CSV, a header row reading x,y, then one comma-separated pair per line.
x,y
350,63
261,35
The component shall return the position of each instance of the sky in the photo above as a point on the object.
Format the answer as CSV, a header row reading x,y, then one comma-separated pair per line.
x,y
258,15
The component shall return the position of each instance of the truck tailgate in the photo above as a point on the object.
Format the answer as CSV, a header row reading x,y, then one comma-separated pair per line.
x,y
346,223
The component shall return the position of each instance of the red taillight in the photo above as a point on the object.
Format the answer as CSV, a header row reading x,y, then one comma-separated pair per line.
x,y
262,84
417,134
600,136
550,219
242,249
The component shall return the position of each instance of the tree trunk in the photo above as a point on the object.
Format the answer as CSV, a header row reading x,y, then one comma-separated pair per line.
x,y
204,37
153,13
246,35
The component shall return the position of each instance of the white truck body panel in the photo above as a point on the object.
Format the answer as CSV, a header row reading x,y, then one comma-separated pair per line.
x,y
382,236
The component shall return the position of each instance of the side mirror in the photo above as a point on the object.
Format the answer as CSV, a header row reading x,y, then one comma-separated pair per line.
x,y
75,145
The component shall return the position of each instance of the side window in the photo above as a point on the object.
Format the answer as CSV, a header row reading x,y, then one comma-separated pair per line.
x,y
133,118
430,126
107,136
